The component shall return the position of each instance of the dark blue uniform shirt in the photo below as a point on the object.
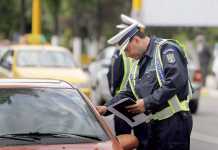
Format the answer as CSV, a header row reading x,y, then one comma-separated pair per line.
x,y
116,72
147,87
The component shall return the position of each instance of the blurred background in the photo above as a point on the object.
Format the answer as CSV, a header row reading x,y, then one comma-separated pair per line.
x,y
72,35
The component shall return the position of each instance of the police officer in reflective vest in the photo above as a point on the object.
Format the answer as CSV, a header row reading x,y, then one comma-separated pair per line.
x,y
159,83
117,78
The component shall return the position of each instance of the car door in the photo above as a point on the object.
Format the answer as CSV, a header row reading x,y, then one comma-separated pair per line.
x,y
6,63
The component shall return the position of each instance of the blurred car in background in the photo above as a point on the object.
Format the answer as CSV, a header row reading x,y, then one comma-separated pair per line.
x,y
43,61
215,63
98,71
50,114
196,79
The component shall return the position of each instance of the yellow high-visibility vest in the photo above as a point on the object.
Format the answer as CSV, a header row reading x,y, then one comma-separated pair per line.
x,y
127,64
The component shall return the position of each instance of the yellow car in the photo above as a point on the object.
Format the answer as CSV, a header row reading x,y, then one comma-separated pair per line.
x,y
43,61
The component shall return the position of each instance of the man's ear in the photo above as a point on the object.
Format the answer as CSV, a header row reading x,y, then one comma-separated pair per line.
x,y
136,38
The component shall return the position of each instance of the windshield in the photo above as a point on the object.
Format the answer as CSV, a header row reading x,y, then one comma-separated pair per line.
x,y
47,110
43,58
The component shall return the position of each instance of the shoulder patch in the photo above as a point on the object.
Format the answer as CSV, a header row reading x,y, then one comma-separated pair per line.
x,y
170,58
168,50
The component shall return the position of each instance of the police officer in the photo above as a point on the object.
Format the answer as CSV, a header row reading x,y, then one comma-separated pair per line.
x,y
159,84
204,55
117,78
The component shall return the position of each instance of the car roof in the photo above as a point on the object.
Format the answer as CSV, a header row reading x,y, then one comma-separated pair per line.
x,y
34,83
37,47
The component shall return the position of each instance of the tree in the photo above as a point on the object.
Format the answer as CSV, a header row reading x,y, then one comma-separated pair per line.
x,y
22,16
93,19
54,7
8,18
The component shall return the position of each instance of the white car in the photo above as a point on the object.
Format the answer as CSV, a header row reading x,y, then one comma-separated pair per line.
x,y
215,64
98,71
196,79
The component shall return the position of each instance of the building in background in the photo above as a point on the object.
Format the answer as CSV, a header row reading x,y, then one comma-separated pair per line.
x,y
190,13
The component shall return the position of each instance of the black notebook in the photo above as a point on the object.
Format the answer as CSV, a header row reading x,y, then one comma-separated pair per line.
x,y
119,109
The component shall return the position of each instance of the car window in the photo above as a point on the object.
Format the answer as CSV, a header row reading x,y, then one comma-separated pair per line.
x,y
7,59
44,59
47,110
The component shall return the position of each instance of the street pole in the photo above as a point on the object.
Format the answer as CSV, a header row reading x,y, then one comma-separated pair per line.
x,y
36,17
35,37
136,9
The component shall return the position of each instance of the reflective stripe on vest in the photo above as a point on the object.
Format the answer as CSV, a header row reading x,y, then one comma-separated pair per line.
x,y
127,64
132,78
174,104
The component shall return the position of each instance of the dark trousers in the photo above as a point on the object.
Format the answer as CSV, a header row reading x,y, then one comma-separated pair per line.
x,y
172,133
140,131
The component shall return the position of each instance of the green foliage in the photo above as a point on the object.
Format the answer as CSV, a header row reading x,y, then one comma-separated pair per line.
x,y
185,33
212,35
54,7
93,18
87,19
8,17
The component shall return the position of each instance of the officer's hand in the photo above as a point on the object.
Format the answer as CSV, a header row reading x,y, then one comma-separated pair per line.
x,y
101,109
138,107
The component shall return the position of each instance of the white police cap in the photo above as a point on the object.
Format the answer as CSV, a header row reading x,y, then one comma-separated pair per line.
x,y
121,26
122,38
128,20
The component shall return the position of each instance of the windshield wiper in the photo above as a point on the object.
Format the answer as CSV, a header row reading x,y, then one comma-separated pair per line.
x,y
30,137
59,135
15,137
81,135
37,136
